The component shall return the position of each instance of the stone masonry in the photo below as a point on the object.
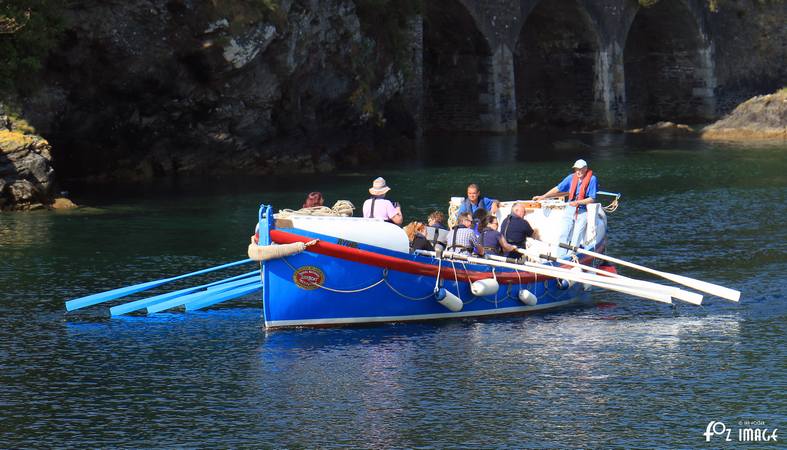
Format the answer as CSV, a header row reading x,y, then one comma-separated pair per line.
x,y
583,63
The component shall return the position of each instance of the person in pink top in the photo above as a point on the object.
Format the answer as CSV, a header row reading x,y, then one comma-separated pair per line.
x,y
379,207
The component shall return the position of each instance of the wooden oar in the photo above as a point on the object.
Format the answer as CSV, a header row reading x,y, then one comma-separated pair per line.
x,y
125,308
704,286
94,299
589,279
161,306
677,293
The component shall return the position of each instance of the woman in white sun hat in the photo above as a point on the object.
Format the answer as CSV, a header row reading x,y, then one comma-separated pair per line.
x,y
379,207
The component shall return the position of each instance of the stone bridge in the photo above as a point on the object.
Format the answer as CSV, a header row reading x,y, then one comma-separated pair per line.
x,y
496,65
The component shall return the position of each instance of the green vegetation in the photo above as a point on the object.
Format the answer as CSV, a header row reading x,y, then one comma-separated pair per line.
x,y
386,22
29,29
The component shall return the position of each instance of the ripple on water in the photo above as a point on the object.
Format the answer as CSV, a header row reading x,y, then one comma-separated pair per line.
x,y
629,374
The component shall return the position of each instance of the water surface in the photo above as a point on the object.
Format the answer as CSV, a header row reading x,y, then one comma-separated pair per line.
x,y
628,373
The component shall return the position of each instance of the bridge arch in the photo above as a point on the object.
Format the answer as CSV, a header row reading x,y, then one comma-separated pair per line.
x,y
668,65
456,68
555,67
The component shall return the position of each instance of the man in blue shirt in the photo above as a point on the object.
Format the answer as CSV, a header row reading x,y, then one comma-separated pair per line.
x,y
581,187
474,201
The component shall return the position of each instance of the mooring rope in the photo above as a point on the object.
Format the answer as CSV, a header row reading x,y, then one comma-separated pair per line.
x,y
390,286
383,279
338,291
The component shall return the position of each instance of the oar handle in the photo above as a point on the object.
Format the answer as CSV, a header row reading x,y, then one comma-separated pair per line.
x,y
540,255
568,246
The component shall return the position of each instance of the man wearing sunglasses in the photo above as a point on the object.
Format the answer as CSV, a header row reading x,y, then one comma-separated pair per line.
x,y
462,239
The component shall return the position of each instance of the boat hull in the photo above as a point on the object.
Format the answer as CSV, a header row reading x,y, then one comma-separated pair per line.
x,y
355,293
337,282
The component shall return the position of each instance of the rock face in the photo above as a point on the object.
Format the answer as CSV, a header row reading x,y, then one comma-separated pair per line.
x,y
665,129
148,88
26,175
759,118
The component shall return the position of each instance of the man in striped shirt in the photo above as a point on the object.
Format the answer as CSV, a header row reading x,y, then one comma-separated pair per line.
x,y
462,239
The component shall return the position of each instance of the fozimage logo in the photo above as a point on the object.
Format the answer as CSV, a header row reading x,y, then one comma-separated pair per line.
x,y
746,432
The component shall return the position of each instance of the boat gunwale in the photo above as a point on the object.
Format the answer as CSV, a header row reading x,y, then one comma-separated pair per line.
x,y
406,262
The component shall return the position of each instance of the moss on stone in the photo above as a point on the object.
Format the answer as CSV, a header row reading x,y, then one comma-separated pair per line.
x,y
13,141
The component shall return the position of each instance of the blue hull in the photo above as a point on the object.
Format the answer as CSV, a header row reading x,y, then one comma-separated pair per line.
x,y
338,282
356,293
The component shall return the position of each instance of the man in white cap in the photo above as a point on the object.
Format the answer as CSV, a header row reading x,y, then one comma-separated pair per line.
x,y
581,187
379,207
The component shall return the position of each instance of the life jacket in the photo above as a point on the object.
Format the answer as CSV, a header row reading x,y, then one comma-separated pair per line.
x,y
583,189
420,242
437,236
493,247
469,206
453,240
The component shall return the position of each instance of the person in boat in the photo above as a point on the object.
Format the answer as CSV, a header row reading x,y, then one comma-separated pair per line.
x,y
436,232
416,234
379,207
581,186
492,240
313,199
515,229
474,201
479,215
462,239
436,220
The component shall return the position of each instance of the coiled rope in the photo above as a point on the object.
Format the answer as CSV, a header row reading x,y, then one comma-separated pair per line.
x,y
611,207
342,208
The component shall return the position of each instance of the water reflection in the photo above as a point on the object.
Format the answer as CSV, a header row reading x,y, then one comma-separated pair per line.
x,y
25,229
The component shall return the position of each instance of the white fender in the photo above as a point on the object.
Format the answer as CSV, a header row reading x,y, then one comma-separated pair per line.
x,y
482,288
449,300
527,297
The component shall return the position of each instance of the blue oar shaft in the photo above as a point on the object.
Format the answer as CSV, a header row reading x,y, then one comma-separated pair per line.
x,y
222,297
175,302
126,308
94,299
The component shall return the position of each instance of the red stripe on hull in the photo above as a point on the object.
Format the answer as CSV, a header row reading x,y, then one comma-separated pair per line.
x,y
403,265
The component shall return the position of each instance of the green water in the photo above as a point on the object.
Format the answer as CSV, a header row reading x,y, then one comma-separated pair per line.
x,y
627,374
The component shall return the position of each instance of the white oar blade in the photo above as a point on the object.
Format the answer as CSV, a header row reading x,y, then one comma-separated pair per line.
x,y
679,294
688,297
704,286
590,279
655,296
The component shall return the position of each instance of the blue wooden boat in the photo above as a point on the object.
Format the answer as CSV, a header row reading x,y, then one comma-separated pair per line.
x,y
335,270
360,271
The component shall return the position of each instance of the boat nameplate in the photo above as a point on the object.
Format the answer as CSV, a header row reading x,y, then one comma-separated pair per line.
x,y
308,277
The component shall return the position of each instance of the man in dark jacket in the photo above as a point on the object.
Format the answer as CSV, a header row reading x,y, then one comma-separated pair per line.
x,y
516,229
